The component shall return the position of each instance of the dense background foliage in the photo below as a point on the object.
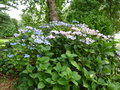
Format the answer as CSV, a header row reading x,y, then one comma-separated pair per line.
x,y
97,14
7,26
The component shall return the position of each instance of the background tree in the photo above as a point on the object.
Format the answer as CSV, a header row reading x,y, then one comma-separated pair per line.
x,y
7,27
42,11
53,15
6,4
97,14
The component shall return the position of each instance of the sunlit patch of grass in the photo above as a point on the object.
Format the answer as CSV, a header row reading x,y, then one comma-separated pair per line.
x,y
3,41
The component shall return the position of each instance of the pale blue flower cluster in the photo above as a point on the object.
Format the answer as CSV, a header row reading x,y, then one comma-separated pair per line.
x,y
60,23
10,56
23,44
16,35
31,48
26,56
12,44
39,38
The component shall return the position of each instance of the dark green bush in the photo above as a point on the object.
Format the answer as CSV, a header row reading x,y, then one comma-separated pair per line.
x,y
92,13
7,27
62,57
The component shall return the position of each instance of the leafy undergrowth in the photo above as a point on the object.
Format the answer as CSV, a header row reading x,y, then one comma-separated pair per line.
x,y
62,56
6,82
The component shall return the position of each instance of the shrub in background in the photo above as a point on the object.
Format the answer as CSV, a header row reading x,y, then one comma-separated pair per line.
x,y
7,27
62,56
93,13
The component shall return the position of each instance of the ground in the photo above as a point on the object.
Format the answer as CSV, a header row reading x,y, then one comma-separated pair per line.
x,y
6,82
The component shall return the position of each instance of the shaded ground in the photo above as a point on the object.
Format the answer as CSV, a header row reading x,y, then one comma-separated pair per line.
x,y
6,82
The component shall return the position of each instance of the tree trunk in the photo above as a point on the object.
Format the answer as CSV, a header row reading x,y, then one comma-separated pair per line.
x,y
53,15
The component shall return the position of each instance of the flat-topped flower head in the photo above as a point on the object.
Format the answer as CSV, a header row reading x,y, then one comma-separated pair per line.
x,y
39,41
13,44
38,32
10,56
23,44
26,55
16,35
50,37
29,27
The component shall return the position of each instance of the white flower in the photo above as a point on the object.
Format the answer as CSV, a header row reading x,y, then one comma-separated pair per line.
x,y
55,32
50,36
71,37
16,35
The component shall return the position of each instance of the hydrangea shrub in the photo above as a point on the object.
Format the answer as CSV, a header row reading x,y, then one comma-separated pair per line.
x,y
62,56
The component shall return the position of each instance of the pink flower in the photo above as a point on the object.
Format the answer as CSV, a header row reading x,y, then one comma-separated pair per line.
x,y
16,35
51,36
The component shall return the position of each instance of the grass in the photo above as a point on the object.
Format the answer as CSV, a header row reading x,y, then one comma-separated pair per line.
x,y
3,41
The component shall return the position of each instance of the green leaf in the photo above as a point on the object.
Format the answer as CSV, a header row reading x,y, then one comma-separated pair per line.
x,y
92,51
62,81
74,87
93,86
85,83
61,87
54,76
41,85
56,87
99,60
86,73
63,56
110,53
44,59
69,55
58,67
29,68
107,70
76,76
74,63
49,80
33,75
101,81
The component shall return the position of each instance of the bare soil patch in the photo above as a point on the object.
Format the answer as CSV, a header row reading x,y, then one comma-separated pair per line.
x,y
6,82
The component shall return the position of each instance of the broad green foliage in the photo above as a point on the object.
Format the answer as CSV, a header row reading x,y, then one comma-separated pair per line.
x,y
7,27
37,11
97,15
62,56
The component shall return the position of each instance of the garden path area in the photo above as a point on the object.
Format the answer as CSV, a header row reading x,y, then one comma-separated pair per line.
x,y
6,82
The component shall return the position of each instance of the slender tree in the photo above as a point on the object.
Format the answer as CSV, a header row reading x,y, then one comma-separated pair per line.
x,y
53,15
